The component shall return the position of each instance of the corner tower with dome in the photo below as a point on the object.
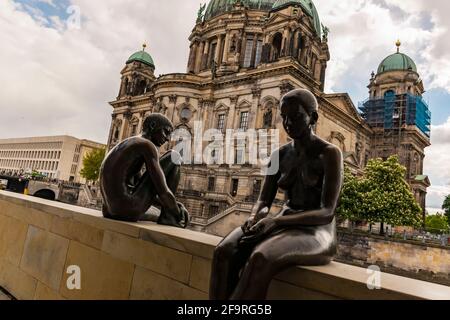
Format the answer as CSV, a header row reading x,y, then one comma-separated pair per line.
x,y
244,56
400,118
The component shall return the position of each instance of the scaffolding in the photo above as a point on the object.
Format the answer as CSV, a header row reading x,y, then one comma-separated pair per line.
x,y
394,112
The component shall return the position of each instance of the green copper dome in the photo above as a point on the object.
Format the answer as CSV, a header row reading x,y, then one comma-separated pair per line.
x,y
217,7
143,57
397,61
307,5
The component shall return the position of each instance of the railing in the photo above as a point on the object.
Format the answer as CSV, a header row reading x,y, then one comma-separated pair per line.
x,y
429,236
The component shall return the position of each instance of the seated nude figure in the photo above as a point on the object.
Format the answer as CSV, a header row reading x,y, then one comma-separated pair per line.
x,y
127,193
304,232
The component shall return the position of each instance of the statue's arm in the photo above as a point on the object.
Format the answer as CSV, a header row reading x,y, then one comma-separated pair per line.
x,y
267,196
333,179
268,193
166,197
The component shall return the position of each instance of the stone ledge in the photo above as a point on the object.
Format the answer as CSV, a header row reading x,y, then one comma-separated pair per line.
x,y
147,261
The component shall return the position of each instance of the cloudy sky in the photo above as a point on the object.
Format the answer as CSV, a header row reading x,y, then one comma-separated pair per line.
x,y
60,59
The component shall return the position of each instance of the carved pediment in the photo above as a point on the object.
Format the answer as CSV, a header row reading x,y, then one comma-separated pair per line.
x,y
277,17
350,159
343,102
221,107
244,104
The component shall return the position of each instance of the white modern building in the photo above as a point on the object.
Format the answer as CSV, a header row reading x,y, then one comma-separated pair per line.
x,y
57,157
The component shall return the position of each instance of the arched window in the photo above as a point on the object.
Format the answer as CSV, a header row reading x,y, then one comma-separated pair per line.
x,y
142,87
268,118
389,94
125,86
276,46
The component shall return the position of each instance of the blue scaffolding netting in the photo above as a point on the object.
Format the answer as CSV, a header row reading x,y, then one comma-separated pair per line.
x,y
395,111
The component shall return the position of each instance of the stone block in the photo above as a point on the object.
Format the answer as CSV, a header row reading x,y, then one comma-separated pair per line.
x,y
39,219
279,290
61,226
195,243
200,274
44,256
17,282
15,211
86,234
13,233
95,219
45,293
171,263
102,276
148,285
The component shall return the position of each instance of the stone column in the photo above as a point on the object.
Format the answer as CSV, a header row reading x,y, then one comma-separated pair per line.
x,y
111,130
255,43
199,55
241,51
218,49
284,42
226,48
192,58
296,47
232,113
204,63
323,68
173,100
256,93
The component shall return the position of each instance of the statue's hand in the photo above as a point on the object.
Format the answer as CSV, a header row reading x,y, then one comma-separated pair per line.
x,y
260,230
254,219
185,215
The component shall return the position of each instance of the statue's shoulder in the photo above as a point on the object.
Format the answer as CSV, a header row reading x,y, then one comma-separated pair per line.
x,y
281,151
329,150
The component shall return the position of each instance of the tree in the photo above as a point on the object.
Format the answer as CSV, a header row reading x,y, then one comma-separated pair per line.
x,y
381,195
446,207
437,223
92,163
351,197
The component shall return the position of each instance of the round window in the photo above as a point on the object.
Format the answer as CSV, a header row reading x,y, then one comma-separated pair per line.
x,y
186,114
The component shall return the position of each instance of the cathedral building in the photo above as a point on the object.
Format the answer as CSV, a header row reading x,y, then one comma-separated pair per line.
x,y
244,56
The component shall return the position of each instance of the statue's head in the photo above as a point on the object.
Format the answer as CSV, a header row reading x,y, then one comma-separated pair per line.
x,y
157,128
299,110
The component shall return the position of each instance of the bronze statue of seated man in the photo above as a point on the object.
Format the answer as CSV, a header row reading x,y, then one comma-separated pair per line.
x,y
127,192
304,232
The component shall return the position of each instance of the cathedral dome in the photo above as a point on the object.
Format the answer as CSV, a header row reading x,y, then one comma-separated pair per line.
x,y
142,56
217,7
397,62
308,7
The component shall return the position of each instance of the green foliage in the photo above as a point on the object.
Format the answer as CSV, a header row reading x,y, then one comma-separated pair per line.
x,y
437,223
350,199
381,195
446,207
92,163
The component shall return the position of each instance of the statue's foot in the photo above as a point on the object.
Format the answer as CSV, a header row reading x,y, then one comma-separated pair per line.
x,y
152,215
167,220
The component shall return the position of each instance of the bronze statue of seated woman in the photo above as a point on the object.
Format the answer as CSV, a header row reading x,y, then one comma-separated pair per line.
x,y
127,192
304,232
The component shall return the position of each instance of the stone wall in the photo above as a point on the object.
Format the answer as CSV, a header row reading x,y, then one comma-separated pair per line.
x,y
40,240
406,258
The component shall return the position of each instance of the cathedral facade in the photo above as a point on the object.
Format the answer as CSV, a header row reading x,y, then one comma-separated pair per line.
x,y
244,56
